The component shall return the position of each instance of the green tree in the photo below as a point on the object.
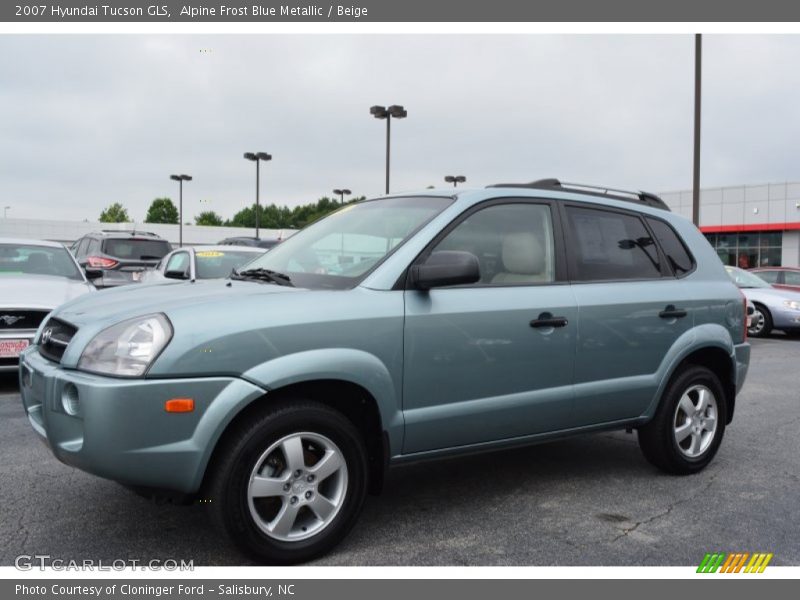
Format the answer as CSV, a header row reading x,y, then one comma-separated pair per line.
x,y
162,210
208,217
272,216
115,213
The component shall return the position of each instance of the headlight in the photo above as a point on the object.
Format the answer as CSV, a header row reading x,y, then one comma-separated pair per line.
x,y
127,348
793,304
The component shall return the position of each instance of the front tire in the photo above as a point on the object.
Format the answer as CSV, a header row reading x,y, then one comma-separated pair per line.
x,y
289,483
761,323
687,429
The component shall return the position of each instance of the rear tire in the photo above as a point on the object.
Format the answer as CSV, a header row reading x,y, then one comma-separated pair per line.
x,y
687,429
761,323
289,482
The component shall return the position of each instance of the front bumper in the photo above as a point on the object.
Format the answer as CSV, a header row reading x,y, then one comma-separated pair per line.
x,y
785,319
118,428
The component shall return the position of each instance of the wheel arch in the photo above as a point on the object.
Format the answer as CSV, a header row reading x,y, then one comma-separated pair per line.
x,y
348,381
708,346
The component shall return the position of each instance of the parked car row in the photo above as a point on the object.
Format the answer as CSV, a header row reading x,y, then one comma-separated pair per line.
x,y
37,276
117,258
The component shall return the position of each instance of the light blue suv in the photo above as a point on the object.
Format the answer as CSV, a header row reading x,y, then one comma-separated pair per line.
x,y
396,329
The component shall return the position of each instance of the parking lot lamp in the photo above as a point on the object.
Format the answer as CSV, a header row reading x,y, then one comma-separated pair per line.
x,y
455,179
381,112
180,179
342,192
257,157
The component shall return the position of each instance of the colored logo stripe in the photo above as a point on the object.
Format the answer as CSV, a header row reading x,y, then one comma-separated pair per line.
x,y
734,562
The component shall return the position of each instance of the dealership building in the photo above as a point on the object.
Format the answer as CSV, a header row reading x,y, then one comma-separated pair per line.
x,y
749,225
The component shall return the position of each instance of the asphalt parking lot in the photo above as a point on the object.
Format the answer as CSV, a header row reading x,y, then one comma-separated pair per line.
x,y
591,500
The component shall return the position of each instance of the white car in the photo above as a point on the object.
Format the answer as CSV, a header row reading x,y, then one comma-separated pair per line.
x,y
35,277
202,262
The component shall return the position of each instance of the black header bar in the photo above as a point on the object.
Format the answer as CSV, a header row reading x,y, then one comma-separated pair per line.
x,y
442,11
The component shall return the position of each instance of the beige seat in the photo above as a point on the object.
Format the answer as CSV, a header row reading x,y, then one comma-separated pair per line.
x,y
524,260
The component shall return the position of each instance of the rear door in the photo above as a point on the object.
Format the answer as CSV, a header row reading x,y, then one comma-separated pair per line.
x,y
481,363
632,307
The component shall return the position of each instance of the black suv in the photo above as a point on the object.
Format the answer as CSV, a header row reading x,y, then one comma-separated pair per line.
x,y
119,256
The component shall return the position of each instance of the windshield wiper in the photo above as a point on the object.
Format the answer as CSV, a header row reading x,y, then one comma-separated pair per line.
x,y
262,275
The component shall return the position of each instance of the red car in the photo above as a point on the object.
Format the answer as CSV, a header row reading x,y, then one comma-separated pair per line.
x,y
782,277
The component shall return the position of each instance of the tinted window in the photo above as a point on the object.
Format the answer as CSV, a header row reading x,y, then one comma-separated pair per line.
x,y
610,246
179,262
18,259
216,264
675,250
136,249
513,243
791,278
82,246
768,276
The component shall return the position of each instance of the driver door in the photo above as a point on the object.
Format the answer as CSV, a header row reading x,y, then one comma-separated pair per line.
x,y
483,362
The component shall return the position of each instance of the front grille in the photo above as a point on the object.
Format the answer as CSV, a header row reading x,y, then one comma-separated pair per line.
x,y
21,319
55,338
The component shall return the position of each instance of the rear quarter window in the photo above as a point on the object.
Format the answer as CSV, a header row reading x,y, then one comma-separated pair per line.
x,y
678,255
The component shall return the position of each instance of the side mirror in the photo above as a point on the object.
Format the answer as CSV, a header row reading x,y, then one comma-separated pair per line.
x,y
176,274
92,273
447,267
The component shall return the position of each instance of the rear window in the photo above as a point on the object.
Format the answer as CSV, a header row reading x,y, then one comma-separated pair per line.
x,y
677,255
609,246
136,249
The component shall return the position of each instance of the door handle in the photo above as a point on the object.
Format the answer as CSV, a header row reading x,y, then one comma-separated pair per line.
x,y
547,320
670,312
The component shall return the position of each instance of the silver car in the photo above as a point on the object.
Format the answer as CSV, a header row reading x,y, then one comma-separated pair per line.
x,y
35,277
775,308
204,262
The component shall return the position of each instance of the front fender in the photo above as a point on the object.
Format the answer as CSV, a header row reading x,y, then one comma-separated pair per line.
x,y
708,335
343,364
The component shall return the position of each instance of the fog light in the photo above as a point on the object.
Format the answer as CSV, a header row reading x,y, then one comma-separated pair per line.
x,y
69,400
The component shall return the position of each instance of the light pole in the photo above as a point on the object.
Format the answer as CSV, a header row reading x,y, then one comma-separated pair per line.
x,y
180,179
5,211
342,192
381,112
698,77
455,179
257,157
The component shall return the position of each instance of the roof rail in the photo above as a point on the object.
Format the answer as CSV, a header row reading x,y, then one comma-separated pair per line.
x,y
131,231
594,190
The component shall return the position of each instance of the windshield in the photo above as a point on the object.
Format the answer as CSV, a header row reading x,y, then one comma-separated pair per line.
x,y
339,250
217,264
746,280
136,249
18,259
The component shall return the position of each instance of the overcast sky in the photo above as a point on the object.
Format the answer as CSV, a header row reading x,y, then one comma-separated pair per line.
x,y
90,120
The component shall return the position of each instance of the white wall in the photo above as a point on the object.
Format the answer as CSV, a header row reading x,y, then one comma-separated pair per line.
x,y
69,231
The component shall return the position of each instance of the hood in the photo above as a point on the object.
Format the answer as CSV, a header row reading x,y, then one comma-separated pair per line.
x,y
125,302
40,291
